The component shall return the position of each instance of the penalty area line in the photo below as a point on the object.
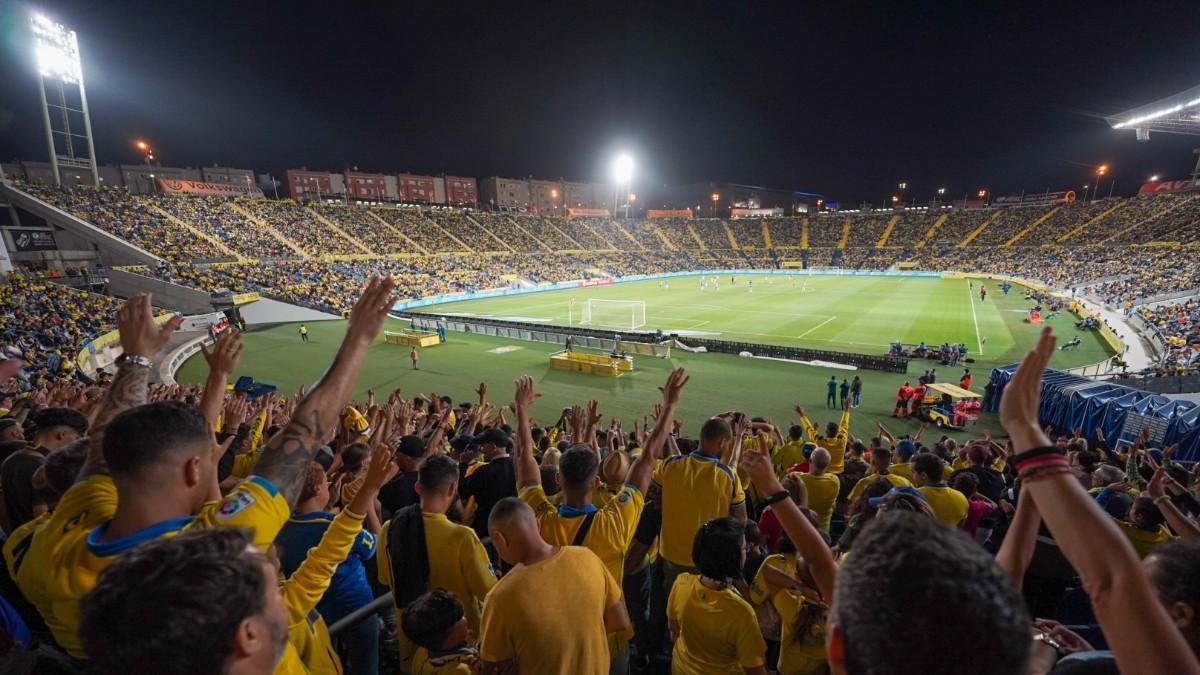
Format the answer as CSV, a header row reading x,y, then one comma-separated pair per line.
x,y
971,299
815,327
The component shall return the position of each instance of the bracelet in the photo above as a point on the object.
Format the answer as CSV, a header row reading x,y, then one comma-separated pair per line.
x,y
1042,461
776,498
1020,458
1162,498
134,359
1043,472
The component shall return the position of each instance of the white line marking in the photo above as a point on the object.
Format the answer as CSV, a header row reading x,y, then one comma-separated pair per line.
x,y
971,298
816,327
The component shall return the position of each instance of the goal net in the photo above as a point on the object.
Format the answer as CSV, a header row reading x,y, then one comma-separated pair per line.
x,y
623,314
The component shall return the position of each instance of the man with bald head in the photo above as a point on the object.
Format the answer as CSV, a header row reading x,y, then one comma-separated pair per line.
x,y
553,611
823,487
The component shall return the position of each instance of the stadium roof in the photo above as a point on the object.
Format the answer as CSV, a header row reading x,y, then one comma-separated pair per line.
x,y
1178,114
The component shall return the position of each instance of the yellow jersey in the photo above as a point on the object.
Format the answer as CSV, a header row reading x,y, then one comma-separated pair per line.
x,y
836,445
897,481
611,531
787,456
822,495
760,590
949,505
718,630
902,469
565,596
451,662
1144,541
695,489
67,554
457,563
800,654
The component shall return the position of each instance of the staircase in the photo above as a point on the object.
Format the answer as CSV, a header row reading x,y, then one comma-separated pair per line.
x,y
529,232
506,248
340,232
937,224
237,208
845,233
200,234
1029,228
979,230
766,232
887,232
611,246
804,238
397,231
577,245
699,242
1096,219
666,243
621,228
733,243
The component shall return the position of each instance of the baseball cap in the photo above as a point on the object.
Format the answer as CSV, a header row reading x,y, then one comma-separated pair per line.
x,y
1118,505
808,449
899,489
411,446
462,442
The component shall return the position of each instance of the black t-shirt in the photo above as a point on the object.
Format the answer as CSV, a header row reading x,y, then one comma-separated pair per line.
x,y
991,483
489,484
400,492
16,479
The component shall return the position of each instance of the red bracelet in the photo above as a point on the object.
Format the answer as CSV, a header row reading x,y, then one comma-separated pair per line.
x,y
1043,472
1043,460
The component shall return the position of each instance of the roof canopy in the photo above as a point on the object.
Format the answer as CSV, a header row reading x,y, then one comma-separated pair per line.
x,y
1178,114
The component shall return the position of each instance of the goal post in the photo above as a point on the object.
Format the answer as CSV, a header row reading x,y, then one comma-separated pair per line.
x,y
623,314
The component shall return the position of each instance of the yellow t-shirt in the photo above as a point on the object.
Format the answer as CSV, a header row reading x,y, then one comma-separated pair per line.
x,y
760,590
455,662
822,495
861,485
806,655
718,631
565,596
17,544
457,563
786,456
302,591
836,445
67,554
695,489
611,530
902,469
1144,542
949,505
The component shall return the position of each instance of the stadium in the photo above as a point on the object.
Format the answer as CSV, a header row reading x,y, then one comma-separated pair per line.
x,y
302,357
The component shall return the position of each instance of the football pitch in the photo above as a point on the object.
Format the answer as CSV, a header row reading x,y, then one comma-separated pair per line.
x,y
840,313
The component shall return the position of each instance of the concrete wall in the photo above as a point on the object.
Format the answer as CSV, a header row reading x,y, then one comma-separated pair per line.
x,y
166,295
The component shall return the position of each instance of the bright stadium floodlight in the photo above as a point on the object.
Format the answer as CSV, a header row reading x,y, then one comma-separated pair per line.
x,y
623,169
1154,178
56,49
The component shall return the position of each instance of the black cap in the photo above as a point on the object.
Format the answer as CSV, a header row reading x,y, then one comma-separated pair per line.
x,y
412,446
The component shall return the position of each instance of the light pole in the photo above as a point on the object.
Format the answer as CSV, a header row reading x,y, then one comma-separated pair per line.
x,y
940,192
623,175
629,203
983,194
1100,172
713,212
148,154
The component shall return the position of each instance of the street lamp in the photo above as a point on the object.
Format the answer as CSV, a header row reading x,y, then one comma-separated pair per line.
x,y
715,198
1100,172
147,154
1154,178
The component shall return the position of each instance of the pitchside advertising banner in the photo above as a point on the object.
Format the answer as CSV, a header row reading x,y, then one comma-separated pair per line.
x,y
669,213
1169,186
33,240
754,213
572,213
195,187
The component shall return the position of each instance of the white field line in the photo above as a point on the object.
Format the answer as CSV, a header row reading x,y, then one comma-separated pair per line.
x,y
971,298
816,327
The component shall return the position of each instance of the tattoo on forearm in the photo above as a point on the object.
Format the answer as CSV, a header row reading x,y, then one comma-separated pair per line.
x,y
129,389
287,456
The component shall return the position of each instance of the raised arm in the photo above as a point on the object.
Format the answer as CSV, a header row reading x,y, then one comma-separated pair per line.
x,y
285,458
525,465
1141,635
808,541
1020,541
141,339
1185,527
643,468
222,361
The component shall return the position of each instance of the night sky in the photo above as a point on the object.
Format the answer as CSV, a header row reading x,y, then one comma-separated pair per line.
x,y
845,99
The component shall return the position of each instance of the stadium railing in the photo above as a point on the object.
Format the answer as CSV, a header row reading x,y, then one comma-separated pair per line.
x,y
604,339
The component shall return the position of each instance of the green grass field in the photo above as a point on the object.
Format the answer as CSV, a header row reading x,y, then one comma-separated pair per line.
x,y
867,314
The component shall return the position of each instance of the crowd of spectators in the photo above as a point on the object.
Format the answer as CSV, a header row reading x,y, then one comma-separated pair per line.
x,y
297,223
518,235
1062,222
215,217
358,222
1174,221
49,322
1010,222
866,230
825,230
1178,324
785,232
156,528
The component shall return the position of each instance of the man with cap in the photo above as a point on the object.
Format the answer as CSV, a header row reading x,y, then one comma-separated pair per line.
x,y
905,449
401,491
491,482
881,463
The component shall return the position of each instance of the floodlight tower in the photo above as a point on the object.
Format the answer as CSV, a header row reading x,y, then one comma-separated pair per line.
x,y
57,49
623,175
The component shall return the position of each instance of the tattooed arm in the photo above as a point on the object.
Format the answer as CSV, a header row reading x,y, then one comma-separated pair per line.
x,y
140,336
286,457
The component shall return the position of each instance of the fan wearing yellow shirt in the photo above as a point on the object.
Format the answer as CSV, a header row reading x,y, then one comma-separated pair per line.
x,y
823,487
835,438
881,462
691,490
236,621
949,505
162,458
437,624
790,453
553,611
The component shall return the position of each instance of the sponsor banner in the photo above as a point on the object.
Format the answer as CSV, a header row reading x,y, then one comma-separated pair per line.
x,y
1066,196
572,213
244,298
669,213
33,240
202,321
755,213
595,282
195,187
1168,186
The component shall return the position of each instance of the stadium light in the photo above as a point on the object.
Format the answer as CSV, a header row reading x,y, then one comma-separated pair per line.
x,y
623,168
941,191
1102,169
895,199
57,50
632,197
903,185
982,193
1154,178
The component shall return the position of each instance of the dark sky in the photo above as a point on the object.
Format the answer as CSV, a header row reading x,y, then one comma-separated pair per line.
x,y
842,98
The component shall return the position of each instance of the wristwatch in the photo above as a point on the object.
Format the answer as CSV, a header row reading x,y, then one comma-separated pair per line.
x,y
134,359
